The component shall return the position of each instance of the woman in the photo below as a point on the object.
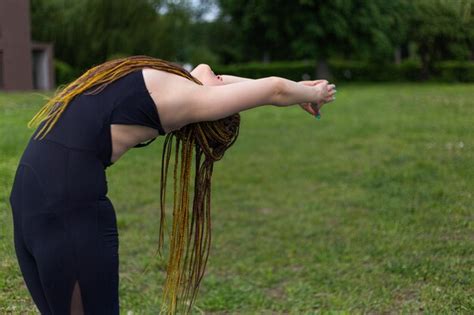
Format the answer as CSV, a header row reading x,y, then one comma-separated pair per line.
x,y
65,230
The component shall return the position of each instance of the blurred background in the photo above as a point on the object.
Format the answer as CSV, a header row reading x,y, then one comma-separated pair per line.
x,y
368,210
341,40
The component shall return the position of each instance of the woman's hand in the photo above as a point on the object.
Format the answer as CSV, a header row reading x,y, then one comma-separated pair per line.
x,y
326,94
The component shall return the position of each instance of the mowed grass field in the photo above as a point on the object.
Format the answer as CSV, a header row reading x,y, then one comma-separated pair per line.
x,y
368,210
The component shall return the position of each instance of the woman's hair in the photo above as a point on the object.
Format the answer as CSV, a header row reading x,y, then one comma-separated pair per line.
x,y
190,237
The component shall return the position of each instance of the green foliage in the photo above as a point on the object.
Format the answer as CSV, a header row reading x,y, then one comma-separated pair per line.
x,y
442,30
313,29
219,37
290,70
455,71
64,72
344,70
347,70
88,32
366,211
202,54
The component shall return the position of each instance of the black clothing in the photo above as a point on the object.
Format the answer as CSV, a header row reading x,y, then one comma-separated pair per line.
x,y
65,228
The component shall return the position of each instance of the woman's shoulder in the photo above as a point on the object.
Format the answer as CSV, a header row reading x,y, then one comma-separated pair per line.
x,y
167,87
155,78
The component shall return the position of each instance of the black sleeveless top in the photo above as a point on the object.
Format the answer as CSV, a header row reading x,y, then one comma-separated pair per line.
x,y
85,123
137,108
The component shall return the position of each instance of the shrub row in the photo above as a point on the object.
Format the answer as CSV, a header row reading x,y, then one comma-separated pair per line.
x,y
455,71
342,70
294,70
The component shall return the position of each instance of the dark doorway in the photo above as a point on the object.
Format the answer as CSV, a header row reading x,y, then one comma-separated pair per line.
x,y
40,70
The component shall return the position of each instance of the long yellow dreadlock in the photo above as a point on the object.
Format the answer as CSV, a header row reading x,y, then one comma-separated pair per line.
x,y
190,236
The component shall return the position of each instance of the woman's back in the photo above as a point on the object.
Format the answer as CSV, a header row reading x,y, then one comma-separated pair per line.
x,y
85,124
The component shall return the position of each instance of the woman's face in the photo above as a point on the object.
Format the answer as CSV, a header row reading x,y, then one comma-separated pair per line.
x,y
205,74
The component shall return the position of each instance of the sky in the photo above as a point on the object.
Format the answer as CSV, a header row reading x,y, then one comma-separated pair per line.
x,y
211,15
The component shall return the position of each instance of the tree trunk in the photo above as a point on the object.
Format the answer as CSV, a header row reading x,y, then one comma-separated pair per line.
x,y
398,55
425,65
322,70
266,57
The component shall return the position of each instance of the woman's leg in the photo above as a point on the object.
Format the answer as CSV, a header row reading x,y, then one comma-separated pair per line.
x,y
68,254
96,244
26,261
77,257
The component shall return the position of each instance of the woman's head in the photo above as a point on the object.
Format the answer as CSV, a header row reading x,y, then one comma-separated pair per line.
x,y
204,73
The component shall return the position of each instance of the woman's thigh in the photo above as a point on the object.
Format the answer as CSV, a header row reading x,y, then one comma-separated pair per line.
x,y
68,255
94,237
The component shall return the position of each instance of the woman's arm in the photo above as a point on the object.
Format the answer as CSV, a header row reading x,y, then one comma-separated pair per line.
x,y
206,75
207,103
228,79
181,101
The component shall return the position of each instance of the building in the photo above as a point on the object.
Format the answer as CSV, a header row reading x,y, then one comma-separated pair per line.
x,y
24,64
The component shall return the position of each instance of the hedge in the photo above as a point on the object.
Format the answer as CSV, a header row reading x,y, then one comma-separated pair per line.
x,y
342,71
352,71
64,72
290,70
455,71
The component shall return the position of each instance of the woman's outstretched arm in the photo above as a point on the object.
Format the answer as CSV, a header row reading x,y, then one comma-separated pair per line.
x,y
181,101
215,102
206,75
229,79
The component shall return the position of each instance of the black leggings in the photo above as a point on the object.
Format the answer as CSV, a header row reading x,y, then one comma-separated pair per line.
x,y
65,230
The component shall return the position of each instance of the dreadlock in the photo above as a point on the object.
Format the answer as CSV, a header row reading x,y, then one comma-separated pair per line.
x,y
190,237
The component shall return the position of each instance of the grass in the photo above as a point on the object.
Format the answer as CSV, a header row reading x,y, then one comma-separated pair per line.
x,y
368,210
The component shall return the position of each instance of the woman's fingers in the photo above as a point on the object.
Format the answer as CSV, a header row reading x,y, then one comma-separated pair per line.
x,y
312,82
332,92
307,107
319,81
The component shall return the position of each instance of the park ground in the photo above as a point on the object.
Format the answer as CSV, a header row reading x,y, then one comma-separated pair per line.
x,y
368,210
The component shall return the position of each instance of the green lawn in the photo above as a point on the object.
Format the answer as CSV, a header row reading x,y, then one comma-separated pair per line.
x,y
369,209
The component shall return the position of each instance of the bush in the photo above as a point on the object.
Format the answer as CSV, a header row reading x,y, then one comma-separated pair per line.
x,y
64,72
457,71
352,71
293,70
202,54
407,70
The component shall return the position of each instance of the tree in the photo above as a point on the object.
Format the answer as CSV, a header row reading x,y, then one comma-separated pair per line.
x,y
315,29
442,29
88,32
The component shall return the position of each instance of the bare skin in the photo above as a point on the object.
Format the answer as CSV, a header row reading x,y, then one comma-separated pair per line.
x,y
180,101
